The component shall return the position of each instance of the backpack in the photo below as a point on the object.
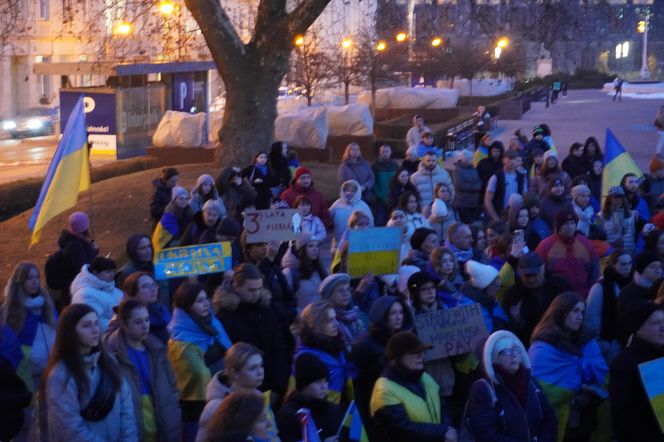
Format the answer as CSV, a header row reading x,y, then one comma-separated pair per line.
x,y
56,270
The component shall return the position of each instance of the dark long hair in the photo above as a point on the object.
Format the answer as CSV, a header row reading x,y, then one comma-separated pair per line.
x,y
12,310
238,413
67,351
553,320
308,266
403,202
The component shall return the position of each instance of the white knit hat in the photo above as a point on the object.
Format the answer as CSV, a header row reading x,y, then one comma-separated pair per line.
x,y
481,275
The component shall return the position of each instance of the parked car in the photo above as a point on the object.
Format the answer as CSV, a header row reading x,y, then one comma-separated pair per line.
x,y
32,122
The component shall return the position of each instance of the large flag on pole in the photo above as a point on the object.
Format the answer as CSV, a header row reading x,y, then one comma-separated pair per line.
x,y
68,174
309,431
353,423
617,162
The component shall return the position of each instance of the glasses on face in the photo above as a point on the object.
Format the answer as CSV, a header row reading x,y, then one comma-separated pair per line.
x,y
509,352
149,285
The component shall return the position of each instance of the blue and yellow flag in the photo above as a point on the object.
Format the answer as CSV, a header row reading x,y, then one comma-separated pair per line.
x,y
617,162
353,423
309,431
166,229
68,174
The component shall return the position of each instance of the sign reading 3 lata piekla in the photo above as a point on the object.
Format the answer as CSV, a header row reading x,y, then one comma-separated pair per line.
x,y
203,259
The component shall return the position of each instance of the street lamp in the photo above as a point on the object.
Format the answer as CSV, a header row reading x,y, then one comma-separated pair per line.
x,y
437,41
497,52
643,28
346,43
166,7
299,40
401,37
381,46
122,28
503,42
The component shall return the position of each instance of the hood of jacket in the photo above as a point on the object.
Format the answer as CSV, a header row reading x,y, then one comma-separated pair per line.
x,y
356,198
487,362
159,184
86,279
378,314
216,389
223,180
132,245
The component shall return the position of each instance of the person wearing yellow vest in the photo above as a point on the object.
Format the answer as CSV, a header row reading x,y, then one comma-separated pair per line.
x,y
405,402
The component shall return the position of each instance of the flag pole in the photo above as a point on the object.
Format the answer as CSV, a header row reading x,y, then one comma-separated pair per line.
x,y
343,421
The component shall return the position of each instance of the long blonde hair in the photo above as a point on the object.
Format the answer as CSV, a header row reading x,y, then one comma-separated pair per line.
x,y
12,310
346,154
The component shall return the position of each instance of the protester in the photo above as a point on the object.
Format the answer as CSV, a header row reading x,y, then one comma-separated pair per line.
x,y
488,166
584,211
303,184
575,164
196,348
236,193
354,167
242,416
414,218
398,219
518,217
429,173
618,221
503,184
468,185
243,373
568,364
405,402
423,242
258,176
550,169
426,144
86,395
444,269
592,152
95,287
310,392
602,310
277,166
638,205
318,332
443,214
553,201
532,202
460,241
507,385
414,134
384,169
245,313
631,409
175,219
482,287
653,184
399,184
647,271
145,367
204,192
349,201
388,316
140,254
311,224
163,188
203,228
304,270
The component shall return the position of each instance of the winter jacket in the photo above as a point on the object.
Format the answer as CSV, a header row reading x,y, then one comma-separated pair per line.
x,y
632,414
262,183
359,171
171,226
341,210
383,173
414,221
305,289
98,294
638,290
573,259
562,367
160,199
575,166
425,181
235,198
164,395
620,231
467,184
414,135
313,225
160,316
198,201
217,389
540,183
197,231
641,206
550,205
326,415
258,325
65,423
408,411
318,204
77,251
495,413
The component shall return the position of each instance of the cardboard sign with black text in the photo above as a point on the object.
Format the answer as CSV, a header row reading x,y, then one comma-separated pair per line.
x,y
451,331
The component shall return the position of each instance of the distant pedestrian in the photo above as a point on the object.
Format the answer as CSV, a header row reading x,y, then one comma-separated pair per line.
x,y
617,87
659,124
556,87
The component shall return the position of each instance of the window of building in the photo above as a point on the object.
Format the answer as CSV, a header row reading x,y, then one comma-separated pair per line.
x,y
44,9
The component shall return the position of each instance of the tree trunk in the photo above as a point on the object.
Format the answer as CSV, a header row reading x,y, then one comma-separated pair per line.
x,y
346,92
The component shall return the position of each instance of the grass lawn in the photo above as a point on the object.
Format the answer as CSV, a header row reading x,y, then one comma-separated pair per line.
x,y
118,207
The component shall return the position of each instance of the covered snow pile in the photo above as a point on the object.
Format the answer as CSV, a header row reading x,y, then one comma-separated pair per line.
x,y
640,90
353,119
303,127
488,87
412,98
180,129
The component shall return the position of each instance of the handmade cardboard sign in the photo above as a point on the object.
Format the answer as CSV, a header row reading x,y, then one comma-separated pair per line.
x,y
272,225
451,331
652,377
177,262
374,250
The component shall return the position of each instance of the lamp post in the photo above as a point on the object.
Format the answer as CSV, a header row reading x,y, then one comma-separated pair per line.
x,y
643,28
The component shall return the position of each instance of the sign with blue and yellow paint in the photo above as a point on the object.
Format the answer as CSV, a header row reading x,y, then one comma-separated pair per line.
x,y
202,259
374,250
652,377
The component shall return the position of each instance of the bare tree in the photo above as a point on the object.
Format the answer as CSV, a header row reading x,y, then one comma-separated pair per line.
x,y
13,21
371,62
312,65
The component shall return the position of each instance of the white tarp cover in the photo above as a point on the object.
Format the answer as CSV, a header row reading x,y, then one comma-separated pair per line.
x,y
353,119
487,87
303,127
412,98
180,129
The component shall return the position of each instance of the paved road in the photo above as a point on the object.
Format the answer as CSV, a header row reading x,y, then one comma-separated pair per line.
x,y
589,113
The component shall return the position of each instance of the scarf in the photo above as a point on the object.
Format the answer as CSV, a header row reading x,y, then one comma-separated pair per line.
x,y
611,279
185,328
34,304
339,371
518,383
461,255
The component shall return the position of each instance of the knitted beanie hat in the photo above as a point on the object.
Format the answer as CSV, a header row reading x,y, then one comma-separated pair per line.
x,y
481,275
308,369
78,222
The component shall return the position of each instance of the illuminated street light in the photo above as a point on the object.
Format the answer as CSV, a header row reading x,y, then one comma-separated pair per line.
x,y
346,43
503,42
437,41
122,28
401,37
497,52
641,27
381,46
166,7
299,40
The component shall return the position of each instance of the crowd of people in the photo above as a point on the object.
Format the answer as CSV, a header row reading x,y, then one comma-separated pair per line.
x,y
568,281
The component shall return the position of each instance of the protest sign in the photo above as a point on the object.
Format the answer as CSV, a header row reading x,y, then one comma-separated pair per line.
x,y
374,250
177,262
652,377
272,225
451,331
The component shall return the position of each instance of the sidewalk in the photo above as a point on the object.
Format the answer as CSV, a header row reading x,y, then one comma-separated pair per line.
x,y
585,113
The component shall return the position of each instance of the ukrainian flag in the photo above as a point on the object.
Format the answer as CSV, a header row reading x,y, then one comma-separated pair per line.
x,y
353,423
166,229
309,431
68,174
617,162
